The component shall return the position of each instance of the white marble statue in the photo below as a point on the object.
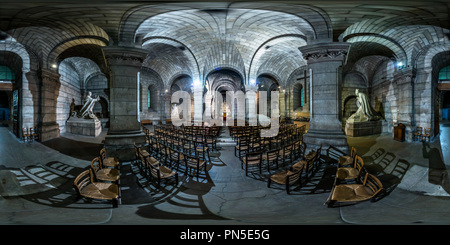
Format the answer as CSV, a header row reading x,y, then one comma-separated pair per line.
x,y
365,111
88,106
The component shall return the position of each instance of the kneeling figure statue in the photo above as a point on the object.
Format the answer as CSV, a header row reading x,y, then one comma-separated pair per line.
x,y
365,111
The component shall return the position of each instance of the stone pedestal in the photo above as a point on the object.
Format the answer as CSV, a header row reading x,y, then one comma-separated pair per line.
x,y
356,129
81,126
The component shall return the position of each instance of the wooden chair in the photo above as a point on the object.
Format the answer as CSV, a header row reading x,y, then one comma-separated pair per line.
x,y
176,157
306,165
252,159
368,189
160,172
426,134
350,173
417,135
347,160
194,163
241,148
286,154
86,187
288,178
201,151
110,162
26,135
104,174
33,134
271,157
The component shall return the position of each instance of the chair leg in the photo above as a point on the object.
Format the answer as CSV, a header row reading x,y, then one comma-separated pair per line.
x,y
268,183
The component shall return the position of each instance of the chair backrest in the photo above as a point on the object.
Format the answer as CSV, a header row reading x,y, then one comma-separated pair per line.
x,y
359,163
272,154
96,165
82,180
373,183
254,156
353,152
292,178
103,153
419,129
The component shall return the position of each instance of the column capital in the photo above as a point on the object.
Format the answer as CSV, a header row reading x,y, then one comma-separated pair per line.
x,y
323,52
128,56
404,76
48,75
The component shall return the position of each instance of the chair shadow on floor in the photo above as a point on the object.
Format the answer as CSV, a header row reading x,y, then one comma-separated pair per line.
x,y
438,173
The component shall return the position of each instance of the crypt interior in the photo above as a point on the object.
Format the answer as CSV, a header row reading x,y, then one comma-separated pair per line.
x,y
126,112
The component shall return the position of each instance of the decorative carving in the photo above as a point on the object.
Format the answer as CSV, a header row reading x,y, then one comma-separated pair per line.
x,y
325,52
124,56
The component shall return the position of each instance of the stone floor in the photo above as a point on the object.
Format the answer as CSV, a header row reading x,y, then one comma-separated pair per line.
x,y
36,188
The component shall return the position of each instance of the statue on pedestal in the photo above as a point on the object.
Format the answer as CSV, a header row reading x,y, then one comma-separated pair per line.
x,y
88,105
365,111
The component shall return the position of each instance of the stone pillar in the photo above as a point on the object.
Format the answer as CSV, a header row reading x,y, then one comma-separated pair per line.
x,y
198,105
251,110
48,127
124,129
324,61
405,101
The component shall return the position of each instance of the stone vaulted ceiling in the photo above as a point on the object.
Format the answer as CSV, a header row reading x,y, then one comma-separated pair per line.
x,y
195,38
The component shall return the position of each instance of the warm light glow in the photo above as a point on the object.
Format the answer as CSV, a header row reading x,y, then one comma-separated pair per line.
x,y
54,66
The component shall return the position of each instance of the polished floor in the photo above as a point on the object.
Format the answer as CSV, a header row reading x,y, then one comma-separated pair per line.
x,y
36,188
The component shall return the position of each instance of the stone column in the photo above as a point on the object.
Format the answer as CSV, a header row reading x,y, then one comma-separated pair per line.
x,y
405,101
198,105
251,110
48,127
124,130
324,62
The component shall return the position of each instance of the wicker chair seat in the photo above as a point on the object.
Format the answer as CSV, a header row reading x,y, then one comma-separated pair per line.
x,y
111,162
100,190
346,160
280,177
108,174
299,165
347,173
165,172
310,155
192,163
352,193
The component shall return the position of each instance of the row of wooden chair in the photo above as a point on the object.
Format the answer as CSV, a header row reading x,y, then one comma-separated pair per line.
x,y
198,145
101,181
353,183
299,170
165,162
422,134
29,134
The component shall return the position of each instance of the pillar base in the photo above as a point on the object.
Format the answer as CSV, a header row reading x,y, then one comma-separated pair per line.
x,y
121,145
49,131
315,138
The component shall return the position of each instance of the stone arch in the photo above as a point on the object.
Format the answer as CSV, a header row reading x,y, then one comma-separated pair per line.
x,y
27,80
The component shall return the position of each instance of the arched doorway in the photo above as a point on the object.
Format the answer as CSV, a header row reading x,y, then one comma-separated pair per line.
x,y
223,80
4,107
